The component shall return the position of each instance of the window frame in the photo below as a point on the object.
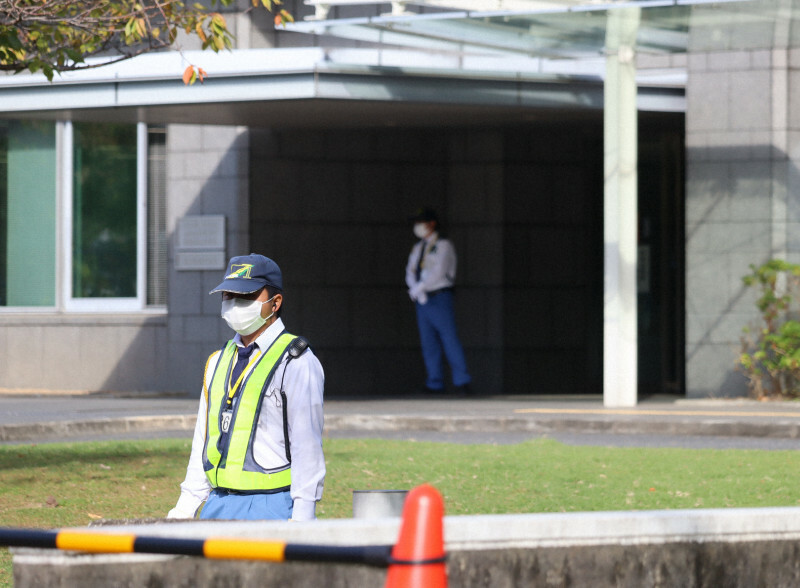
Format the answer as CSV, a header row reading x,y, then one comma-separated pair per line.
x,y
100,305
63,195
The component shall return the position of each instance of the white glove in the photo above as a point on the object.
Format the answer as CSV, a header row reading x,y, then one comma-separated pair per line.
x,y
179,514
417,293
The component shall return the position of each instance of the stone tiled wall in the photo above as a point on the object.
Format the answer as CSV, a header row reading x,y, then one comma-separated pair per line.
x,y
741,203
553,274
83,352
207,175
253,27
520,207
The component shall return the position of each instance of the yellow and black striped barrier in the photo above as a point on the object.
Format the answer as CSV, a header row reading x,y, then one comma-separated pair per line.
x,y
417,559
211,548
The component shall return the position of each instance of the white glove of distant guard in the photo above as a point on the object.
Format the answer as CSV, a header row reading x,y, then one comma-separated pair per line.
x,y
417,293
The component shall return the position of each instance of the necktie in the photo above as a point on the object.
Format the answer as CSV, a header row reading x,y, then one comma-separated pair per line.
x,y
418,272
241,361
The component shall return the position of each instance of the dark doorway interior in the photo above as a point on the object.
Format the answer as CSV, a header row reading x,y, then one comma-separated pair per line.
x,y
661,255
523,205
553,278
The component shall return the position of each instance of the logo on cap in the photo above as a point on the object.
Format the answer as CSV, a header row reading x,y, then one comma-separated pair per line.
x,y
241,270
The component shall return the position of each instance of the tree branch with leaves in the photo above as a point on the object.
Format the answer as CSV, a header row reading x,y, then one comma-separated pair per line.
x,y
54,36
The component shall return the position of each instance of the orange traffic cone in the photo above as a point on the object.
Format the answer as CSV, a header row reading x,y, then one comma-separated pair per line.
x,y
418,557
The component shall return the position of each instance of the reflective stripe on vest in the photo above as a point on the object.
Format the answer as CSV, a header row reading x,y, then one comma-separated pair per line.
x,y
228,459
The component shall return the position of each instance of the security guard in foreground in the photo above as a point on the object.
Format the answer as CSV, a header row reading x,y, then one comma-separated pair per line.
x,y
257,447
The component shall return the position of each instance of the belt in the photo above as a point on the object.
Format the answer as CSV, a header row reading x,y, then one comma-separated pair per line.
x,y
433,293
249,492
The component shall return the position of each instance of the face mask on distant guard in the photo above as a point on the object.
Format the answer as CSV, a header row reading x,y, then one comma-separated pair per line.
x,y
420,230
244,316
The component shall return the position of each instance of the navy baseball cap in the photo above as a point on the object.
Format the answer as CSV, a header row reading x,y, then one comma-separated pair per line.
x,y
249,273
424,215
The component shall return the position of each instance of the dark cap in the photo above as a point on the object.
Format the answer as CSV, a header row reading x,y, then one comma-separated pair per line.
x,y
249,273
424,215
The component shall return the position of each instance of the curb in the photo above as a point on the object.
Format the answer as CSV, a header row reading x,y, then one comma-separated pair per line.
x,y
714,428
49,431
64,430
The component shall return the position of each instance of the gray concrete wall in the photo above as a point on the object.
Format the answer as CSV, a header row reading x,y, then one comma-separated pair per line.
x,y
741,202
552,264
254,27
691,548
679,565
207,175
83,352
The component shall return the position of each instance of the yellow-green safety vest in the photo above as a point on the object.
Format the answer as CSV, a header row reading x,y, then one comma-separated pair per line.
x,y
228,458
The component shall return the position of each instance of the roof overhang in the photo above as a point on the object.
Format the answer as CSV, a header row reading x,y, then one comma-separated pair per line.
x,y
440,67
313,86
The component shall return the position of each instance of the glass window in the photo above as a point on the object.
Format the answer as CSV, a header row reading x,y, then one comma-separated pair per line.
x,y
27,214
104,211
82,216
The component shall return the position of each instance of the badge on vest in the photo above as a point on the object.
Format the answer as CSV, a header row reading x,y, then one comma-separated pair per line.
x,y
226,420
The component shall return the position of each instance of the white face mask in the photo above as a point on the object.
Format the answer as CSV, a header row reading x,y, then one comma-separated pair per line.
x,y
420,230
244,316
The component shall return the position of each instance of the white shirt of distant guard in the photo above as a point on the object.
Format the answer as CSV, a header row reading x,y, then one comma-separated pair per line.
x,y
438,267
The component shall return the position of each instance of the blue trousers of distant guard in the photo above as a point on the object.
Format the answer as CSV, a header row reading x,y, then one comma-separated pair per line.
x,y
437,334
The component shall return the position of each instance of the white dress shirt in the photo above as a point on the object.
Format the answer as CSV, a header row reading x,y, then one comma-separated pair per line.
x,y
438,267
303,383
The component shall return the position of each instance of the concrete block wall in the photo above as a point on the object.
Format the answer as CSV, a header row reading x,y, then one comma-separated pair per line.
x,y
207,175
254,27
667,549
332,209
84,353
741,202
476,215
521,207
553,267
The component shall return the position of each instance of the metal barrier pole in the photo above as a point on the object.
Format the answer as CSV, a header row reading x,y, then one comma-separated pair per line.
x,y
416,560
212,547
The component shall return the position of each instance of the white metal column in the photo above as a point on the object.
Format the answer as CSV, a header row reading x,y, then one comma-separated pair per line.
x,y
620,210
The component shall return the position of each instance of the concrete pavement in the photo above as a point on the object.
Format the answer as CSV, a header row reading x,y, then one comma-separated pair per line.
x,y
46,417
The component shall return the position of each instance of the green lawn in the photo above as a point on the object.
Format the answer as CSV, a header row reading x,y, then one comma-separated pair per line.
x,y
71,484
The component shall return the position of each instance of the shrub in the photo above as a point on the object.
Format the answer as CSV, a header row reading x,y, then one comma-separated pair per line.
x,y
770,356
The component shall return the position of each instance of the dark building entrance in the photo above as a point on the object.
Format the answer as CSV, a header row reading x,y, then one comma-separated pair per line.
x,y
523,205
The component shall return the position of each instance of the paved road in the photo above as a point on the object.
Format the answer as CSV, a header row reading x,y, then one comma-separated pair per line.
x,y
660,421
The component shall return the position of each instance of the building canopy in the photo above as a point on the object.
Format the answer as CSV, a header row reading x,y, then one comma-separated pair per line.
x,y
571,29
442,62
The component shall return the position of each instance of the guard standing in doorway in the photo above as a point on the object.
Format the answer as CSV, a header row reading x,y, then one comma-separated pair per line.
x,y
430,277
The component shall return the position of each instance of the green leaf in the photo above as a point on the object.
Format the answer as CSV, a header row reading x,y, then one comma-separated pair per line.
x,y
84,28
